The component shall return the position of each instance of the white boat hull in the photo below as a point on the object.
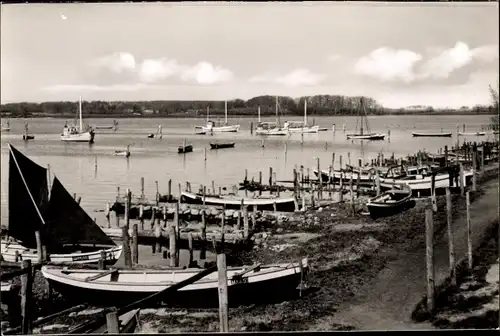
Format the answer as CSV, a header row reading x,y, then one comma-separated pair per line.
x,y
471,133
80,137
272,132
9,254
308,129
422,183
220,129
5,129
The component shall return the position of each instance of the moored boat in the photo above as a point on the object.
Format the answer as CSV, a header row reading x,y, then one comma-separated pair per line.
x,y
390,203
185,149
471,133
363,124
210,127
6,128
301,126
125,153
219,145
67,231
118,287
285,204
432,134
74,134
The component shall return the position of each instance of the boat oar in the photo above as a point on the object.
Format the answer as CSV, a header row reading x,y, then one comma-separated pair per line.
x,y
139,304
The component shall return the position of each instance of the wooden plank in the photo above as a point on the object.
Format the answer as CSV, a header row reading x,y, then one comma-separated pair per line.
x,y
26,298
100,275
238,276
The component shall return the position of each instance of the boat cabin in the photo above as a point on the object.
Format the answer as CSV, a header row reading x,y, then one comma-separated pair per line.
x,y
402,171
265,125
294,124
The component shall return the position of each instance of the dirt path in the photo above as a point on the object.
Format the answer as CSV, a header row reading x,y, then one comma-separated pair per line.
x,y
387,302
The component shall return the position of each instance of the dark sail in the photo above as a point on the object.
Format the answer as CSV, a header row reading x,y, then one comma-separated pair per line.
x,y
67,223
28,197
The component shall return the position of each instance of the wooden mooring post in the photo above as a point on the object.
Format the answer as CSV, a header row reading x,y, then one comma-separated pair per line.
x,y
112,323
451,245
126,247
429,243
172,243
127,208
203,251
474,170
26,298
190,248
469,231
223,293
135,245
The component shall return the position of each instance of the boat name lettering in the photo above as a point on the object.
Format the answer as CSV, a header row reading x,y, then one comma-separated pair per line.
x,y
80,258
239,280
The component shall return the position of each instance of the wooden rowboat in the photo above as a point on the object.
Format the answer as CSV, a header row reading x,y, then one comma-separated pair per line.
x,y
219,145
118,287
285,204
432,134
390,203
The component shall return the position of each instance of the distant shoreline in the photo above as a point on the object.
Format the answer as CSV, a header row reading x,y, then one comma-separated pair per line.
x,y
243,116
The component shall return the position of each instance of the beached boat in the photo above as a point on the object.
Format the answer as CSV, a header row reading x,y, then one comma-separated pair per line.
x,y
301,126
185,149
73,134
125,153
118,287
219,145
391,202
67,231
286,204
420,183
210,127
471,133
432,134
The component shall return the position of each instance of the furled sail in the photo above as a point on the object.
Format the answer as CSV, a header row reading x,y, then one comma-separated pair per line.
x,y
28,197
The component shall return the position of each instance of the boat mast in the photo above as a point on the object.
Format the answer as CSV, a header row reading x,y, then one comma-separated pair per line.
x,y
80,108
258,112
361,114
305,112
225,112
277,121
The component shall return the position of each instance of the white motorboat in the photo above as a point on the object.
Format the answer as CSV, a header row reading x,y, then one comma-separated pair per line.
x,y
73,134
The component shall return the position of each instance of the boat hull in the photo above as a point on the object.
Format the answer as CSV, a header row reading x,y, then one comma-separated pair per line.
x,y
390,203
280,132
308,129
220,129
434,135
219,146
282,204
28,137
422,185
471,133
9,254
185,149
366,137
364,179
201,294
80,137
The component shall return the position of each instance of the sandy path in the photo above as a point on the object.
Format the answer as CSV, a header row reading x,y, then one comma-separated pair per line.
x,y
388,301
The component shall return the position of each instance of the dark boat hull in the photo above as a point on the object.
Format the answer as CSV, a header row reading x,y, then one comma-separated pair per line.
x,y
431,135
386,210
219,146
28,137
269,291
186,149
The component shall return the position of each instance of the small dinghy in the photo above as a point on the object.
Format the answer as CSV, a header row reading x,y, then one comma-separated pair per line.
x,y
125,153
432,134
390,203
118,287
151,135
26,135
185,149
219,145
471,133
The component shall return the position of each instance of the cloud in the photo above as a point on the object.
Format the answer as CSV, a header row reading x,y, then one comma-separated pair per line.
x,y
388,64
93,88
298,77
333,58
442,65
116,62
205,73
154,70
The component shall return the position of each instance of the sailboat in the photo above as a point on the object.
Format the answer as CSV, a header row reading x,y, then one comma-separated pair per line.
x,y
26,135
72,134
210,126
6,128
362,119
270,128
301,126
67,231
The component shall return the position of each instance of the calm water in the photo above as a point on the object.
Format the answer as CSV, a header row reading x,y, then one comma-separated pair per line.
x,y
158,160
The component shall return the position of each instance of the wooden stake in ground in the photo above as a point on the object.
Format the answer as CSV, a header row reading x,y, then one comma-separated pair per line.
x,y
26,298
429,242
469,232
223,293
126,247
474,170
451,245
135,245
113,323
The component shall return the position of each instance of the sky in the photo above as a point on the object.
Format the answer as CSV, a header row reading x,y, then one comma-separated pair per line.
x,y
401,54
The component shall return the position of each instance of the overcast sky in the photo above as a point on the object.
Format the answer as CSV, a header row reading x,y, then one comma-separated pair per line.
x,y
443,54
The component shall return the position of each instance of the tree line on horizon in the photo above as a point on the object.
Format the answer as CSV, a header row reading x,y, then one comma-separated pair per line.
x,y
319,105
